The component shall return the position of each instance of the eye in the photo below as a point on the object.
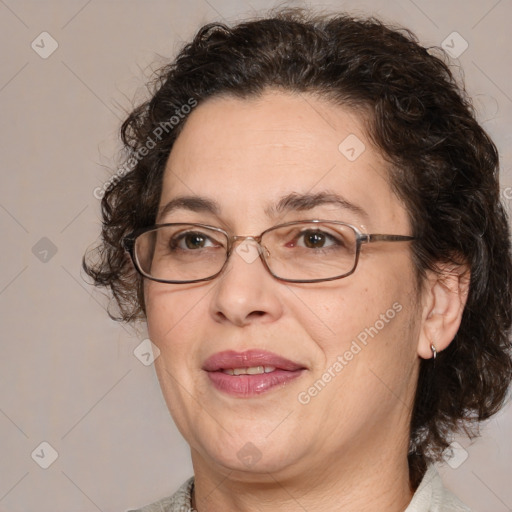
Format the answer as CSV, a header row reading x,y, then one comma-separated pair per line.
x,y
191,240
316,239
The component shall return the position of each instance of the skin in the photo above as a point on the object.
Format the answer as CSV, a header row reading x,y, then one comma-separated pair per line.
x,y
346,450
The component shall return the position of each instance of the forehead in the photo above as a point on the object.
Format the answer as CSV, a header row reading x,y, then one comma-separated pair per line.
x,y
248,154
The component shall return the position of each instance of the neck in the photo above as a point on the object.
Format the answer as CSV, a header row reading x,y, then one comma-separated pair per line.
x,y
372,483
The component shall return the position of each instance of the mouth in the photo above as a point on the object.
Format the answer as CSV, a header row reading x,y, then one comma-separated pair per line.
x,y
249,373
253,370
251,362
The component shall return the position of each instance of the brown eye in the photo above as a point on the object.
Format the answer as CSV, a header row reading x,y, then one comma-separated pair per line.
x,y
194,240
191,240
314,239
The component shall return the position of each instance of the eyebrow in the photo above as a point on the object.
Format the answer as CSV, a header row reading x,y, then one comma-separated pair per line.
x,y
303,202
191,203
290,202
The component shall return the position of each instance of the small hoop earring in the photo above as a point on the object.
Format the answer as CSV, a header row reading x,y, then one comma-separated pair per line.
x,y
434,351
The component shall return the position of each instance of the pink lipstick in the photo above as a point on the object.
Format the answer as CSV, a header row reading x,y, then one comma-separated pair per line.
x,y
250,373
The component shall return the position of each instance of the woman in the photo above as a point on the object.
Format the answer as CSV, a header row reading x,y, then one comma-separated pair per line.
x,y
309,222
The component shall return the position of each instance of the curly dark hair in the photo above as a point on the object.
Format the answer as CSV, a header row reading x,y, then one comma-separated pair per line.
x,y
444,167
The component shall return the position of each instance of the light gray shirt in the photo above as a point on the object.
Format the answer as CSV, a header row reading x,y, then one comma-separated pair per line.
x,y
430,496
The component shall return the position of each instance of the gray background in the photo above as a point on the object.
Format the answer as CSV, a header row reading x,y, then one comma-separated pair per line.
x,y
68,375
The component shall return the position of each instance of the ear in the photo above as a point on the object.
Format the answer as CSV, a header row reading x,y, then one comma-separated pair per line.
x,y
444,297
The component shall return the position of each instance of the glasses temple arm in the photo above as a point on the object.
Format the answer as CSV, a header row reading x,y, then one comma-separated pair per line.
x,y
386,238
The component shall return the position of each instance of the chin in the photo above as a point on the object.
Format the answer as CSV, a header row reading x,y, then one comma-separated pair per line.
x,y
251,458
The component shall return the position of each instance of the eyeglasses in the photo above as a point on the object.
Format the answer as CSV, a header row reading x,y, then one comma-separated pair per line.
x,y
297,252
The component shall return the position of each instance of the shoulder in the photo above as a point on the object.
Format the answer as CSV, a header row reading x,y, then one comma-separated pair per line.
x,y
432,496
180,501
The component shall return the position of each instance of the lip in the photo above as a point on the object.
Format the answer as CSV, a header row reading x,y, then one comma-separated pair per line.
x,y
231,359
250,385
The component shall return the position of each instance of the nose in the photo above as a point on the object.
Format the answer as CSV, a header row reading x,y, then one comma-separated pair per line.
x,y
245,291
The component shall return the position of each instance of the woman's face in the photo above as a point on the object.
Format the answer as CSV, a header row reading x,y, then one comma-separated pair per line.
x,y
352,341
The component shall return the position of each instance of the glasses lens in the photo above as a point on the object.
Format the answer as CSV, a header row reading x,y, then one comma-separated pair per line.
x,y
311,250
181,252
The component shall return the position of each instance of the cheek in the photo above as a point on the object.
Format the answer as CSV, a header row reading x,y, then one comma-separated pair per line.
x,y
170,311
377,315
173,321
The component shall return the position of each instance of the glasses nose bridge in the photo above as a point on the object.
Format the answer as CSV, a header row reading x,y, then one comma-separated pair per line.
x,y
241,238
233,239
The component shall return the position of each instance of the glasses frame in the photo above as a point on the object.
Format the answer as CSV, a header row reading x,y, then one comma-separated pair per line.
x,y
129,240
